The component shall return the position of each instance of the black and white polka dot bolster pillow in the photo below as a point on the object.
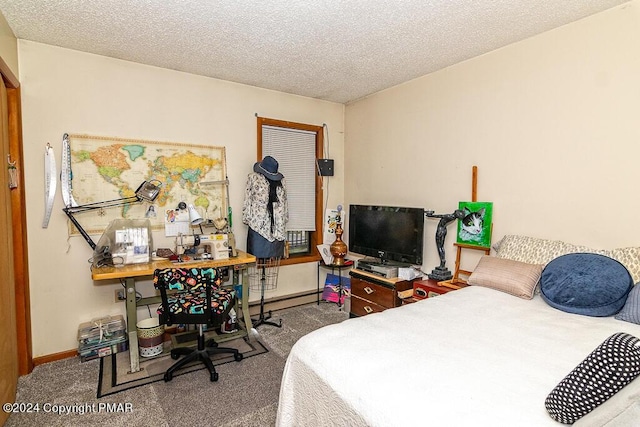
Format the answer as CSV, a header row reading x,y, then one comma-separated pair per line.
x,y
610,367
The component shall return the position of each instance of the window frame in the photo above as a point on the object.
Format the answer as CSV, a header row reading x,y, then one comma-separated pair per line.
x,y
315,237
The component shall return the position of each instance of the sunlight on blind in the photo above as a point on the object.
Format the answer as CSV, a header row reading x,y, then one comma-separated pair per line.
x,y
295,152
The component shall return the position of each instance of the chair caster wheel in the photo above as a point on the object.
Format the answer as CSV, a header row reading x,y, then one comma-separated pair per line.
x,y
214,377
167,377
238,357
175,356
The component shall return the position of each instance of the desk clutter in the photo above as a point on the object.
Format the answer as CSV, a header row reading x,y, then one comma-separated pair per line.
x,y
102,337
203,246
125,241
237,267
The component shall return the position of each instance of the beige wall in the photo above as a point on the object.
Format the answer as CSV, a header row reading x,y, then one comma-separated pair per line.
x,y
8,46
68,91
551,122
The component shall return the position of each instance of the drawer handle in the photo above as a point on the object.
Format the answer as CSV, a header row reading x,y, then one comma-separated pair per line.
x,y
368,309
368,290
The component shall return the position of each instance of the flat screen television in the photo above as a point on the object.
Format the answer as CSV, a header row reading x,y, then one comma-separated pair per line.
x,y
386,232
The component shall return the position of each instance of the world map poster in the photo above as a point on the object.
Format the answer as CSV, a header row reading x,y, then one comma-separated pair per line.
x,y
104,168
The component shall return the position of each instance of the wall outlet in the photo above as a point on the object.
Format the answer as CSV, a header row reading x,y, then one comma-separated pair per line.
x,y
120,295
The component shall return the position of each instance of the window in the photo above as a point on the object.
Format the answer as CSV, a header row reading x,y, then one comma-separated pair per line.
x,y
297,147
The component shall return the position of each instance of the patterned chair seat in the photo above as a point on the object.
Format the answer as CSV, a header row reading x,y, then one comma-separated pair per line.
x,y
185,300
194,302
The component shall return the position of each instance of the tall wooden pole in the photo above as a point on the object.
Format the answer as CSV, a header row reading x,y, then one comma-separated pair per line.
x,y
474,184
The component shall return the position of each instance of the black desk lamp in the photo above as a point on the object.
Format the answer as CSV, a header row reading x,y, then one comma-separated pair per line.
x,y
147,191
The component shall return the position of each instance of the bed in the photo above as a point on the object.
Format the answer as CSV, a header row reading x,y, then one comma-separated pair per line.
x,y
476,356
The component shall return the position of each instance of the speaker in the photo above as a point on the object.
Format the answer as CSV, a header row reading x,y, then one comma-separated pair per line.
x,y
325,167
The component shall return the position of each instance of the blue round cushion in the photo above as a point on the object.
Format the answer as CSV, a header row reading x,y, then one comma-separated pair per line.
x,y
588,284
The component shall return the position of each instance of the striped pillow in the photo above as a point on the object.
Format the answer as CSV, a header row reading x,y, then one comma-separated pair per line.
x,y
631,310
513,277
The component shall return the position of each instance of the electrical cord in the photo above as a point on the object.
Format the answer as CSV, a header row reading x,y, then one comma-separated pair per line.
x,y
105,261
325,149
124,286
326,139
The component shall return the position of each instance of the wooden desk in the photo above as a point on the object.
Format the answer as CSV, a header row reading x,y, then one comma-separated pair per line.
x,y
129,273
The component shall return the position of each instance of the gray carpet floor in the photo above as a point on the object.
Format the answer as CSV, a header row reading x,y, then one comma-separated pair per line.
x,y
245,395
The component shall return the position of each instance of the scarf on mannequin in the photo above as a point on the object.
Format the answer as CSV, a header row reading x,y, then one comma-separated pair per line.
x,y
273,198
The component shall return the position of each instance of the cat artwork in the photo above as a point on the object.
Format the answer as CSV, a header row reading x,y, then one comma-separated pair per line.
x,y
471,226
475,227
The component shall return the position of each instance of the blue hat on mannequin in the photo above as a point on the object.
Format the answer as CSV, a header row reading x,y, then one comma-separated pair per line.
x,y
269,168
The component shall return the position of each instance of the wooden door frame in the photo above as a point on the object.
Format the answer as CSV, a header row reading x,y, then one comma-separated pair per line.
x,y
19,228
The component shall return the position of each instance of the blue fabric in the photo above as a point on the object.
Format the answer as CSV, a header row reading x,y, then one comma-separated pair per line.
x,y
588,284
260,247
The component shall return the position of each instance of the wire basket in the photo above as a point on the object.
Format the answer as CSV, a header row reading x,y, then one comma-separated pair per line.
x,y
264,274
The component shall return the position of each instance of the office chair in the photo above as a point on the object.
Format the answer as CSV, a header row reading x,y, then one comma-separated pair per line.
x,y
198,299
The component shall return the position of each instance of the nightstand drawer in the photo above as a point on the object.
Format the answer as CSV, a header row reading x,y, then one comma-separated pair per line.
x,y
362,307
430,288
375,293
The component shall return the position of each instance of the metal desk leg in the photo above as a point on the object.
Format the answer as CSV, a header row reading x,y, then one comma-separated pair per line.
x,y
132,320
318,283
246,317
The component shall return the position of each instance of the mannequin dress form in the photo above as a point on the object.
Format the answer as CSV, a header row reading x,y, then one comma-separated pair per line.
x,y
265,212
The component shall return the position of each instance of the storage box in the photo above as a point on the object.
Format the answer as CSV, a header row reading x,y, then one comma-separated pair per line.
x,y
102,337
104,349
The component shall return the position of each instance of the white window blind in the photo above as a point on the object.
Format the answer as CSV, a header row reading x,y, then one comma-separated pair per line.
x,y
295,151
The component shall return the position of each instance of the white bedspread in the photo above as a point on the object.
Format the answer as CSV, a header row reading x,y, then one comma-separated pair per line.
x,y
473,357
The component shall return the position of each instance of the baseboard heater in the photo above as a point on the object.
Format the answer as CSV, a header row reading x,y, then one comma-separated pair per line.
x,y
285,301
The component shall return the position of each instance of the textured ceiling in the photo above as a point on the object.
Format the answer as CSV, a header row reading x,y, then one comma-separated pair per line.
x,y
336,50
